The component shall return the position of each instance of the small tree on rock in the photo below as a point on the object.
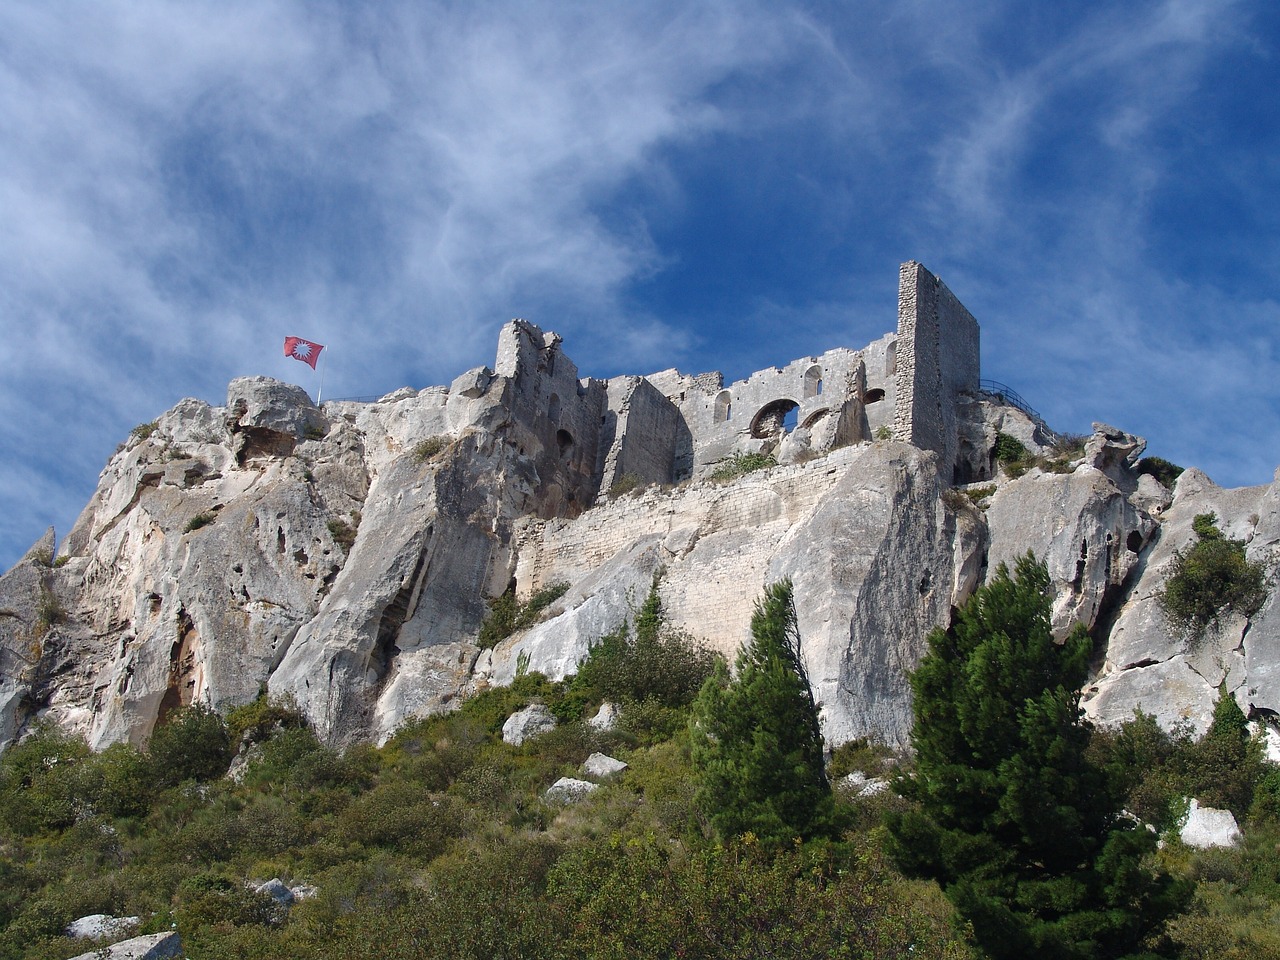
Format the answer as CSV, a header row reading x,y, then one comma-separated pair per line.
x,y
757,742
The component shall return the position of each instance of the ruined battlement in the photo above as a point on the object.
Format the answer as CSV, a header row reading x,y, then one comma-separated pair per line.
x,y
667,427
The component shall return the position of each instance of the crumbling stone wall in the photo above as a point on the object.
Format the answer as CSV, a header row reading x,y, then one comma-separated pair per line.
x,y
937,360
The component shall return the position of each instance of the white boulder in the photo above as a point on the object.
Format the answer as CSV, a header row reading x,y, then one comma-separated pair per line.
x,y
569,790
1206,827
525,724
600,765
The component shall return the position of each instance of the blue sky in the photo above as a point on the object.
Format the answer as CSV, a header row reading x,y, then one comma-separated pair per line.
x,y
705,185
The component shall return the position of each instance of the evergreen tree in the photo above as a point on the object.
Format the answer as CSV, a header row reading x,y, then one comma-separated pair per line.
x,y
1023,833
757,742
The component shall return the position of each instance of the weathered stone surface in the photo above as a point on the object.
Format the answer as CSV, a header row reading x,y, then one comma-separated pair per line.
x,y
1081,524
873,551
860,785
600,766
98,926
154,946
1149,665
606,718
1206,827
569,790
528,723
276,889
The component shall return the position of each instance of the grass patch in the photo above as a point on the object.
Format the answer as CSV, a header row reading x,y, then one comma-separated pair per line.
x,y
428,449
627,483
143,430
344,533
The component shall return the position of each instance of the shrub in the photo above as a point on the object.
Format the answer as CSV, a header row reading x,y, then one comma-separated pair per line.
x,y
1211,580
625,484
191,744
49,611
507,614
756,740
344,533
261,717
741,464
1164,471
884,433
653,663
200,520
428,449
143,430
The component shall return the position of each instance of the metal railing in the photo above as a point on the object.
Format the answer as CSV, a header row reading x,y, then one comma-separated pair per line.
x,y
1006,394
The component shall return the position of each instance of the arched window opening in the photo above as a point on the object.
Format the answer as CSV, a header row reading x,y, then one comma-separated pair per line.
x,y
565,442
724,406
891,360
814,417
774,418
553,408
873,396
813,381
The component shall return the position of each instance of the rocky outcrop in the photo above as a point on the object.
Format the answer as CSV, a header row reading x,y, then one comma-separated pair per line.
x,y
1082,523
569,790
153,946
600,766
1150,665
345,555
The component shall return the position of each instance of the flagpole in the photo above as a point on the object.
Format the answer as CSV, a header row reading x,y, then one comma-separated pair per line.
x,y
320,392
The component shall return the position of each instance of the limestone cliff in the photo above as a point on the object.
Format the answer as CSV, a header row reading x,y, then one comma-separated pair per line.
x,y
344,554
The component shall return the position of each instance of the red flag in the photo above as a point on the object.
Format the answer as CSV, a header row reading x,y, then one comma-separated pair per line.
x,y
303,350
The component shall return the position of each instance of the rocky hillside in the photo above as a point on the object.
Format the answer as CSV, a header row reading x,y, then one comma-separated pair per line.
x,y
348,554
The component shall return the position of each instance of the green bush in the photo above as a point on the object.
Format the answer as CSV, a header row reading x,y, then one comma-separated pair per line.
x,y
207,899
262,717
344,533
507,614
741,464
1211,580
202,519
190,744
1164,471
651,663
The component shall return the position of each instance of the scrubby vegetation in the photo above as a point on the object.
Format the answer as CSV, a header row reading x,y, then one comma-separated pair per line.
x,y
740,464
344,531
439,843
202,519
507,614
1212,580
429,449
1016,459
1164,471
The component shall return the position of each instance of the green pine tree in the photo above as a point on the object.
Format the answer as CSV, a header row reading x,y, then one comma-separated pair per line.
x,y
757,742
1022,832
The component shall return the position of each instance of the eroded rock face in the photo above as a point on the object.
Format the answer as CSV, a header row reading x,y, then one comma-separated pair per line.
x,y
876,556
1153,667
344,556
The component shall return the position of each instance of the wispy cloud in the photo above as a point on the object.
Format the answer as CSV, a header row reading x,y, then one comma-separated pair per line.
x,y
185,184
